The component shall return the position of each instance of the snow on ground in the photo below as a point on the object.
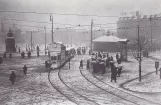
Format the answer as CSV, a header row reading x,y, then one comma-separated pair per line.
x,y
33,88
150,83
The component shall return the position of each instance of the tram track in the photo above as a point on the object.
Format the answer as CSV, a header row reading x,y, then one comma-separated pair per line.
x,y
116,92
111,97
69,93
89,90
125,92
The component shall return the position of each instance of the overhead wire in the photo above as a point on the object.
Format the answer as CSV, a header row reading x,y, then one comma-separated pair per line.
x,y
57,13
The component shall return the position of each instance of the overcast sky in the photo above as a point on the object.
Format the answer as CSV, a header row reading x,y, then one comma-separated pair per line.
x,y
89,7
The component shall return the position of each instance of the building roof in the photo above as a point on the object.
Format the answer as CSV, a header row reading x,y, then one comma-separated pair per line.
x,y
109,39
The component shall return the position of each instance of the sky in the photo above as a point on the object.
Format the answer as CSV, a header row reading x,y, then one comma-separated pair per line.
x,y
84,7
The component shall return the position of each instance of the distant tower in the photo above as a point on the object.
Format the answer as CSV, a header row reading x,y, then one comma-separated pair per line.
x,y
2,26
10,42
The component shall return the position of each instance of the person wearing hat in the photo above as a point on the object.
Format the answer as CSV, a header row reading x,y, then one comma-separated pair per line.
x,y
12,77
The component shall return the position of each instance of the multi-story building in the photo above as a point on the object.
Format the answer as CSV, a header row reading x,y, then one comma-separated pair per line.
x,y
149,26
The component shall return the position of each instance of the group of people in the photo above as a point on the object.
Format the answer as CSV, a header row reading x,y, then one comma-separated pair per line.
x,y
100,61
28,54
5,55
12,77
81,50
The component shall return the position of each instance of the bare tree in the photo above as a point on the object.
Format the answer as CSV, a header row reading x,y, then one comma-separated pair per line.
x,y
144,47
140,46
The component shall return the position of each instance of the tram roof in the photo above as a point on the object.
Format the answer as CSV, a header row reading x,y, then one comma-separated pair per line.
x,y
68,48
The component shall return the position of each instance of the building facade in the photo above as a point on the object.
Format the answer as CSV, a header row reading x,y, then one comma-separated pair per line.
x,y
149,26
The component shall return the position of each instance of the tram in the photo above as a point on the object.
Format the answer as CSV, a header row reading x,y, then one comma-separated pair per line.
x,y
59,54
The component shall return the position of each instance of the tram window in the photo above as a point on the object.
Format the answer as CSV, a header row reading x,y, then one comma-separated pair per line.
x,y
53,57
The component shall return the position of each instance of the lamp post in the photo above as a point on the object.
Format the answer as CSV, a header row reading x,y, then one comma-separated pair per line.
x,y
51,19
91,35
31,40
150,19
45,39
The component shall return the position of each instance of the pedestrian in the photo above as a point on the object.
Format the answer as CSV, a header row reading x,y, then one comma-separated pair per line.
x,y
117,56
81,64
38,54
113,72
23,54
25,69
119,61
88,64
119,71
46,64
29,54
12,77
1,60
19,50
111,58
10,55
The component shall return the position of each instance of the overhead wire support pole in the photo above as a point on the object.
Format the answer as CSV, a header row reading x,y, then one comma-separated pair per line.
x,y
45,39
139,54
51,19
31,40
91,35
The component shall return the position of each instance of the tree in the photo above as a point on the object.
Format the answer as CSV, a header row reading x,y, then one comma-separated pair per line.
x,y
140,45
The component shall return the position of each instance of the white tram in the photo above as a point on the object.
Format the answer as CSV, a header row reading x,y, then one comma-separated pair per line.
x,y
59,54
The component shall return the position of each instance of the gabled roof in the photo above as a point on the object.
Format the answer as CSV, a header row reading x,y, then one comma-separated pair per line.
x,y
109,39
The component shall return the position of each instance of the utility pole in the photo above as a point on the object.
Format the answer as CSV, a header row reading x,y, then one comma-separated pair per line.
x,y
139,54
45,39
71,41
151,32
31,40
91,35
51,19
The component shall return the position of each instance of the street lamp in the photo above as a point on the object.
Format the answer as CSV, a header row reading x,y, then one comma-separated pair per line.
x,y
150,19
51,19
91,35
45,39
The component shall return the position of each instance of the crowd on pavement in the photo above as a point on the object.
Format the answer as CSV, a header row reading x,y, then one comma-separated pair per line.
x,y
100,61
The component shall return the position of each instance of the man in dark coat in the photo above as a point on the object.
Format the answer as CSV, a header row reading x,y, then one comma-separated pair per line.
x,y
111,58
12,77
23,54
88,64
10,55
81,64
117,56
29,54
119,71
1,60
113,72
19,50
25,70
